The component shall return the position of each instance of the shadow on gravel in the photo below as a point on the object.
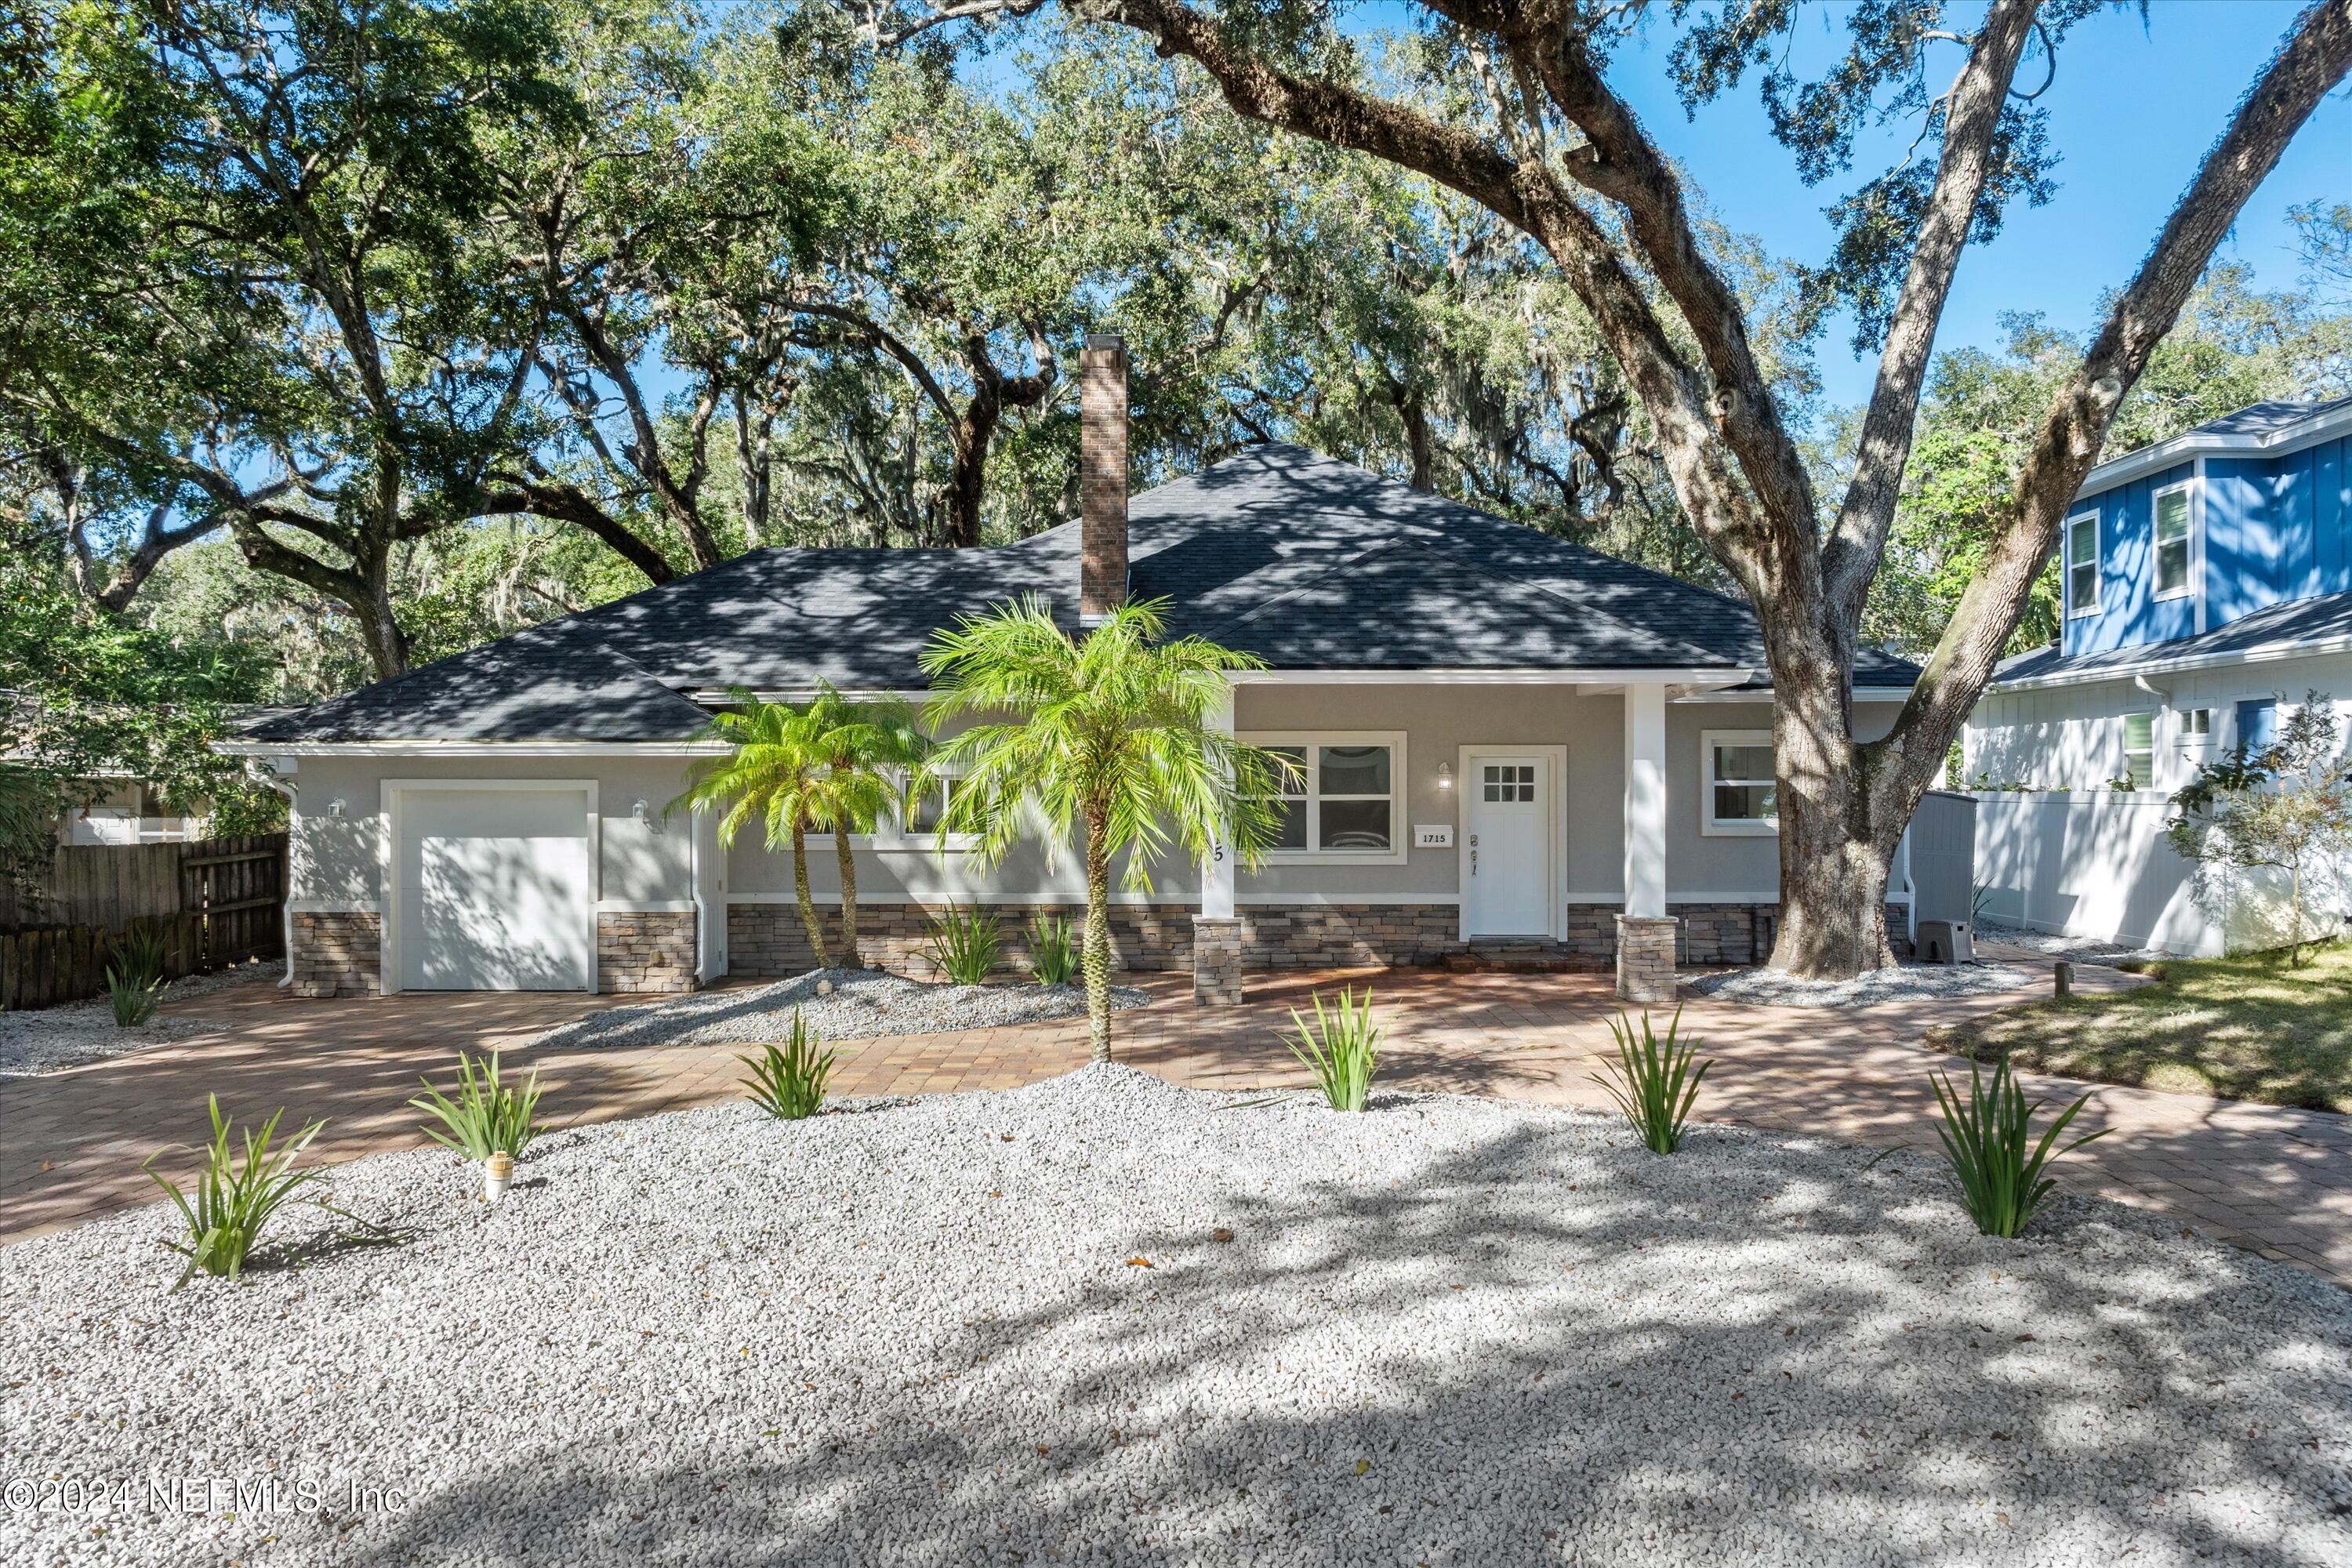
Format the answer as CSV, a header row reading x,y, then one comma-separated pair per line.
x,y
2076,1409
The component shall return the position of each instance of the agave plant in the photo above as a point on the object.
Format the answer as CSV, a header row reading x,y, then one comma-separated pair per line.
x,y
1053,950
134,980
235,1199
965,943
485,1117
1342,1048
1996,1162
789,1084
1654,1082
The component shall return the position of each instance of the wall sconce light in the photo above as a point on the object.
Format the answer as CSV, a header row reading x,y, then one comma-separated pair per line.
x,y
1445,775
644,814
338,806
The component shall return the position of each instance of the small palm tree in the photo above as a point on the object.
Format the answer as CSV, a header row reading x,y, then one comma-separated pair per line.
x,y
776,772
1110,736
869,750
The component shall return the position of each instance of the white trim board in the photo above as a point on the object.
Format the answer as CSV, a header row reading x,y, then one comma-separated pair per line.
x,y
2170,454
2261,652
470,748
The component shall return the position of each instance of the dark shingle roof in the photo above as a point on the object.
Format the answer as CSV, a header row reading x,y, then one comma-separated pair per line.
x,y
515,688
2294,621
1306,561
2260,419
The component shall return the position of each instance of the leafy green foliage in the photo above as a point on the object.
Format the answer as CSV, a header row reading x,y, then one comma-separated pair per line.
x,y
1053,949
1342,1048
1113,739
235,1198
1996,1162
486,1117
788,1083
1654,1082
966,944
134,980
2287,807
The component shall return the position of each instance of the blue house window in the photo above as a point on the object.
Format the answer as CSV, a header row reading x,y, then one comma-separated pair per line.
x,y
2082,563
2172,543
2257,723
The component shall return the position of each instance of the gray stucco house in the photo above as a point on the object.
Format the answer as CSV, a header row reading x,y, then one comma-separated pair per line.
x,y
1507,739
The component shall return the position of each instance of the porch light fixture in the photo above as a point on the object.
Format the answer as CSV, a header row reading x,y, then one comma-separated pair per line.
x,y
1445,775
337,806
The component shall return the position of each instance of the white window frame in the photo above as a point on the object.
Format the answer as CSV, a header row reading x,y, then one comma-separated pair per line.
x,y
891,834
2194,512
1398,780
1710,825
2184,731
905,836
2150,715
2068,563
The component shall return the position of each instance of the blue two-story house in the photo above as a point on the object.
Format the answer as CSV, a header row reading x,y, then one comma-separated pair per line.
x,y
2206,583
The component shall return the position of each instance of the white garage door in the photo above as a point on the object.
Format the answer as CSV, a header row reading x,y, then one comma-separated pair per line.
x,y
495,891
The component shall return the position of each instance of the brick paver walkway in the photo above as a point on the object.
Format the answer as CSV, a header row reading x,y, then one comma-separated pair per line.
x,y
2276,1180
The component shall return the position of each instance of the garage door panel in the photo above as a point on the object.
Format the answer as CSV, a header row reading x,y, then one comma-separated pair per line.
x,y
495,891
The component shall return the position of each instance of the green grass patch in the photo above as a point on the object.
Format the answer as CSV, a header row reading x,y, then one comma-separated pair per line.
x,y
2248,1027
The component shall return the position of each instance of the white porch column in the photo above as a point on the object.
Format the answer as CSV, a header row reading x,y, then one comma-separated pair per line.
x,y
1216,935
1645,935
1645,800
1217,871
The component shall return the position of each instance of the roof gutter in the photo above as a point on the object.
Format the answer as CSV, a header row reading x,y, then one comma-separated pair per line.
x,y
414,748
2138,671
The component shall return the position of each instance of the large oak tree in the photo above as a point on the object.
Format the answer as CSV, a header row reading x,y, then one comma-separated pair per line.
x,y
1519,112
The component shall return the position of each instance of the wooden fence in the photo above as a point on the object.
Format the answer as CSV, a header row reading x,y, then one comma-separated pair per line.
x,y
215,902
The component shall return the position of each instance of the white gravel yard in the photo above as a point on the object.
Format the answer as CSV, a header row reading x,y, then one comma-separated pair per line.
x,y
52,1039
1903,983
998,1327
839,1004
2081,949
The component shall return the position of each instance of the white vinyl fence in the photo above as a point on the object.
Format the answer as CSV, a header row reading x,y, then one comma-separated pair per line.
x,y
2094,863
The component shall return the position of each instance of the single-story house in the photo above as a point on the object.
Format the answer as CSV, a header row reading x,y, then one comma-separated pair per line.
x,y
1507,739
2207,589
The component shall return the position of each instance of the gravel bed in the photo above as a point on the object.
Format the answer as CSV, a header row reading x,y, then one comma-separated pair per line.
x,y
51,1039
2082,949
839,1004
999,1328
1903,983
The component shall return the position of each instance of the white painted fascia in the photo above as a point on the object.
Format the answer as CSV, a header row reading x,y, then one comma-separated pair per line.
x,y
1719,676
2261,653
2180,448
1861,694
470,749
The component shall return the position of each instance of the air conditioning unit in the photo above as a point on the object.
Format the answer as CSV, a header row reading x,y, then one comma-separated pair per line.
x,y
1946,942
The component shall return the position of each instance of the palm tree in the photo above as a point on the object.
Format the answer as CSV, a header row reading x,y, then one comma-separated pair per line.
x,y
869,751
777,772
1111,736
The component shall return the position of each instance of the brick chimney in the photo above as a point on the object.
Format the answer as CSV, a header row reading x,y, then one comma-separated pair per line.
x,y
1102,475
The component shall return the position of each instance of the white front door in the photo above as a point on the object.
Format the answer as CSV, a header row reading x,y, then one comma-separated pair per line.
x,y
495,890
1508,846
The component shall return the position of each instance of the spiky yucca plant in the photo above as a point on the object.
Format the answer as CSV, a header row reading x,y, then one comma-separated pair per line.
x,y
235,1199
1342,1048
789,1083
1654,1082
1997,1164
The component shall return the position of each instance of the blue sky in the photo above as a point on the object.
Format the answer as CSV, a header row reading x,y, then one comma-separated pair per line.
x,y
2133,108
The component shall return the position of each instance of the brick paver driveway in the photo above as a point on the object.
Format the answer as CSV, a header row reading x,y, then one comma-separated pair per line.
x,y
2279,1181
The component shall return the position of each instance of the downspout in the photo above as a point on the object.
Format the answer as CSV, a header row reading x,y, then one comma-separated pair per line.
x,y
274,780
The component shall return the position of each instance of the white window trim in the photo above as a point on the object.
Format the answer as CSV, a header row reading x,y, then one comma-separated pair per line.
x,y
2066,564
1710,825
2188,584
891,836
1400,781
2155,728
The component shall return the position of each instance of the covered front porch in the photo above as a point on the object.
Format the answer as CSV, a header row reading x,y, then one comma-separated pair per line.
x,y
1612,819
